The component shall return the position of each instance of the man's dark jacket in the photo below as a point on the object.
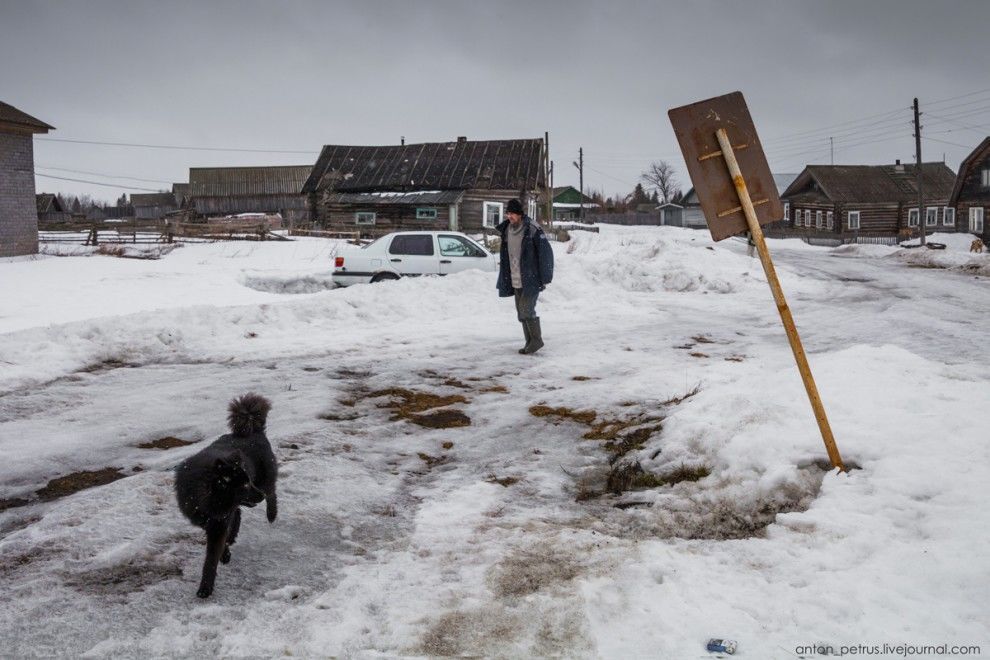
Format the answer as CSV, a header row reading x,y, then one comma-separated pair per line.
x,y
535,260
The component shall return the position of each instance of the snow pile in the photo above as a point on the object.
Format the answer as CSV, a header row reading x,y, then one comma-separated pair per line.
x,y
652,478
864,250
967,262
288,283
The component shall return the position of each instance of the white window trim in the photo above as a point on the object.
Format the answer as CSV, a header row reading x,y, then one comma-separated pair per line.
x,y
807,217
829,220
849,219
787,210
532,208
435,215
913,216
797,217
818,220
358,214
484,213
928,214
985,177
976,219
949,216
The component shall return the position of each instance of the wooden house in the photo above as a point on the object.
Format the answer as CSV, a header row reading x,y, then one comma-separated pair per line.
x,y
845,201
462,185
692,216
671,214
223,191
567,203
971,192
18,206
153,206
50,210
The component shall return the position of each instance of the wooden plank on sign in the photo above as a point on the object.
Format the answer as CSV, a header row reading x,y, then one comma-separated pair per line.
x,y
695,126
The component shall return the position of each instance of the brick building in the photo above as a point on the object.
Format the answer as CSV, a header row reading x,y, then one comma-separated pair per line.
x,y
18,208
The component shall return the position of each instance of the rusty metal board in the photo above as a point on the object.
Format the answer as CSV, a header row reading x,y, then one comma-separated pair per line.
x,y
695,127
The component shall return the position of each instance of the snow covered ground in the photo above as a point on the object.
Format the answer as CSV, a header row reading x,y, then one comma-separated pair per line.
x,y
652,478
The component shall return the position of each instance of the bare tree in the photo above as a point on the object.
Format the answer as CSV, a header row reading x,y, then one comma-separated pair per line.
x,y
660,177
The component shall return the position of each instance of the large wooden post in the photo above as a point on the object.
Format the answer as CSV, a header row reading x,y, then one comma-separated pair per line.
x,y
778,296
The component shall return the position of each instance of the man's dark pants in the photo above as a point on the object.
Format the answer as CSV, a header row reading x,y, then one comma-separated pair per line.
x,y
525,305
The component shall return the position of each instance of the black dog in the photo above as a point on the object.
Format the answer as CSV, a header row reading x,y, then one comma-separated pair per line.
x,y
236,469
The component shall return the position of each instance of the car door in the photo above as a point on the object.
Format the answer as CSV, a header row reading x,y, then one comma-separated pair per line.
x,y
413,254
458,253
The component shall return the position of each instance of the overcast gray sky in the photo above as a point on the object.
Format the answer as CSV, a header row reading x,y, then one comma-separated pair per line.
x,y
597,74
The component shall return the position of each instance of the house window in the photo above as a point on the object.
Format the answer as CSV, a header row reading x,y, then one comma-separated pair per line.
x,y
807,218
797,217
931,216
976,220
818,219
949,216
985,177
364,218
912,217
492,213
853,219
830,220
426,214
787,210
531,206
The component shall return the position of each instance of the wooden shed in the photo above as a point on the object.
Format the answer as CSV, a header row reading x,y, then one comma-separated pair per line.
x,y
153,206
844,201
220,191
462,185
50,209
567,203
971,192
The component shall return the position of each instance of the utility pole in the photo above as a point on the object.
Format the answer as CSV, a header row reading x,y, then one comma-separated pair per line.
x,y
547,177
402,140
831,151
580,168
922,218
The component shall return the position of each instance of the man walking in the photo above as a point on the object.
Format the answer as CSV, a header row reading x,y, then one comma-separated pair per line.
x,y
525,268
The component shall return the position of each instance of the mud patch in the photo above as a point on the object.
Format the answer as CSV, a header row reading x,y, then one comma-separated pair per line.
x,y
13,503
472,633
505,482
531,570
421,407
441,419
433,461
78,481
618,435
168,442
632,476
121,579
104,366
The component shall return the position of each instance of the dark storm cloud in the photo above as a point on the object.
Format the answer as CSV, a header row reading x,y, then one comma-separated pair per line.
x,y
296,75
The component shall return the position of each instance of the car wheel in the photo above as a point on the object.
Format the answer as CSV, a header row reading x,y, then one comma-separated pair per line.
x,y
384,277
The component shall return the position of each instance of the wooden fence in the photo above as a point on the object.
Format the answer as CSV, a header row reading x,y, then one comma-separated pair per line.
x,y
150,232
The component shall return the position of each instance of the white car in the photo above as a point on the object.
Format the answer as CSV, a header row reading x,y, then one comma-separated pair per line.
x,y
411,253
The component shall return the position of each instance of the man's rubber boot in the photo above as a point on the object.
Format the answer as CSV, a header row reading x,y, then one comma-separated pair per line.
x,y
535,342
525,325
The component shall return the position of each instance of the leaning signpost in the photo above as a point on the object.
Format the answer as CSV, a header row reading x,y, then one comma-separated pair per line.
x,y
737,192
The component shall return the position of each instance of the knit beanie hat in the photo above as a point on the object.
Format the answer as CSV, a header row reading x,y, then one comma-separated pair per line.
x,y
514,206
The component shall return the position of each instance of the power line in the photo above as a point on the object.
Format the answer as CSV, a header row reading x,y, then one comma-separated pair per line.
x,y
96,183
169,146
101,174
954,144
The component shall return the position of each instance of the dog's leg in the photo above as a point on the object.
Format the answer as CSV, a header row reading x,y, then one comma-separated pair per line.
x,y
235,526
216,541
271,505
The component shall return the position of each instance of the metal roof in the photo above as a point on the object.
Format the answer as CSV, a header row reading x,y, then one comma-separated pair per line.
x,y
231,181
152,199
461,165
11,115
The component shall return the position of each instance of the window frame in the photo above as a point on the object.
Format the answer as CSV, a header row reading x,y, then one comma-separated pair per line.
x,y
976,213
928,213
423,213
484,214
358,214
830,220
818,220
985,177
948,212
406,237
916,215
797,217
807,217
463,241
849,219
787,210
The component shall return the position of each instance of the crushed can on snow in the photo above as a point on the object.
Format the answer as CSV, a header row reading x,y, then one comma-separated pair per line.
x,y
721,646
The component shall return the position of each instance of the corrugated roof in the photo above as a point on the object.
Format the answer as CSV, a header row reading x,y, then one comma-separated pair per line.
x,y
875,183
232,181
432,197
462,165
152,199
11,115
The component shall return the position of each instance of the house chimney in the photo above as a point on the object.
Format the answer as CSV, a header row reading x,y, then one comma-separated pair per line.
x,y
462,138
897,166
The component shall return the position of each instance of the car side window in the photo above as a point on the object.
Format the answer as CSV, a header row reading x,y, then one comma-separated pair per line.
x,y
412,244
455,246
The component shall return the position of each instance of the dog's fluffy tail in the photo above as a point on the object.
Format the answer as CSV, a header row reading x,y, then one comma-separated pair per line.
x,y
248,414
